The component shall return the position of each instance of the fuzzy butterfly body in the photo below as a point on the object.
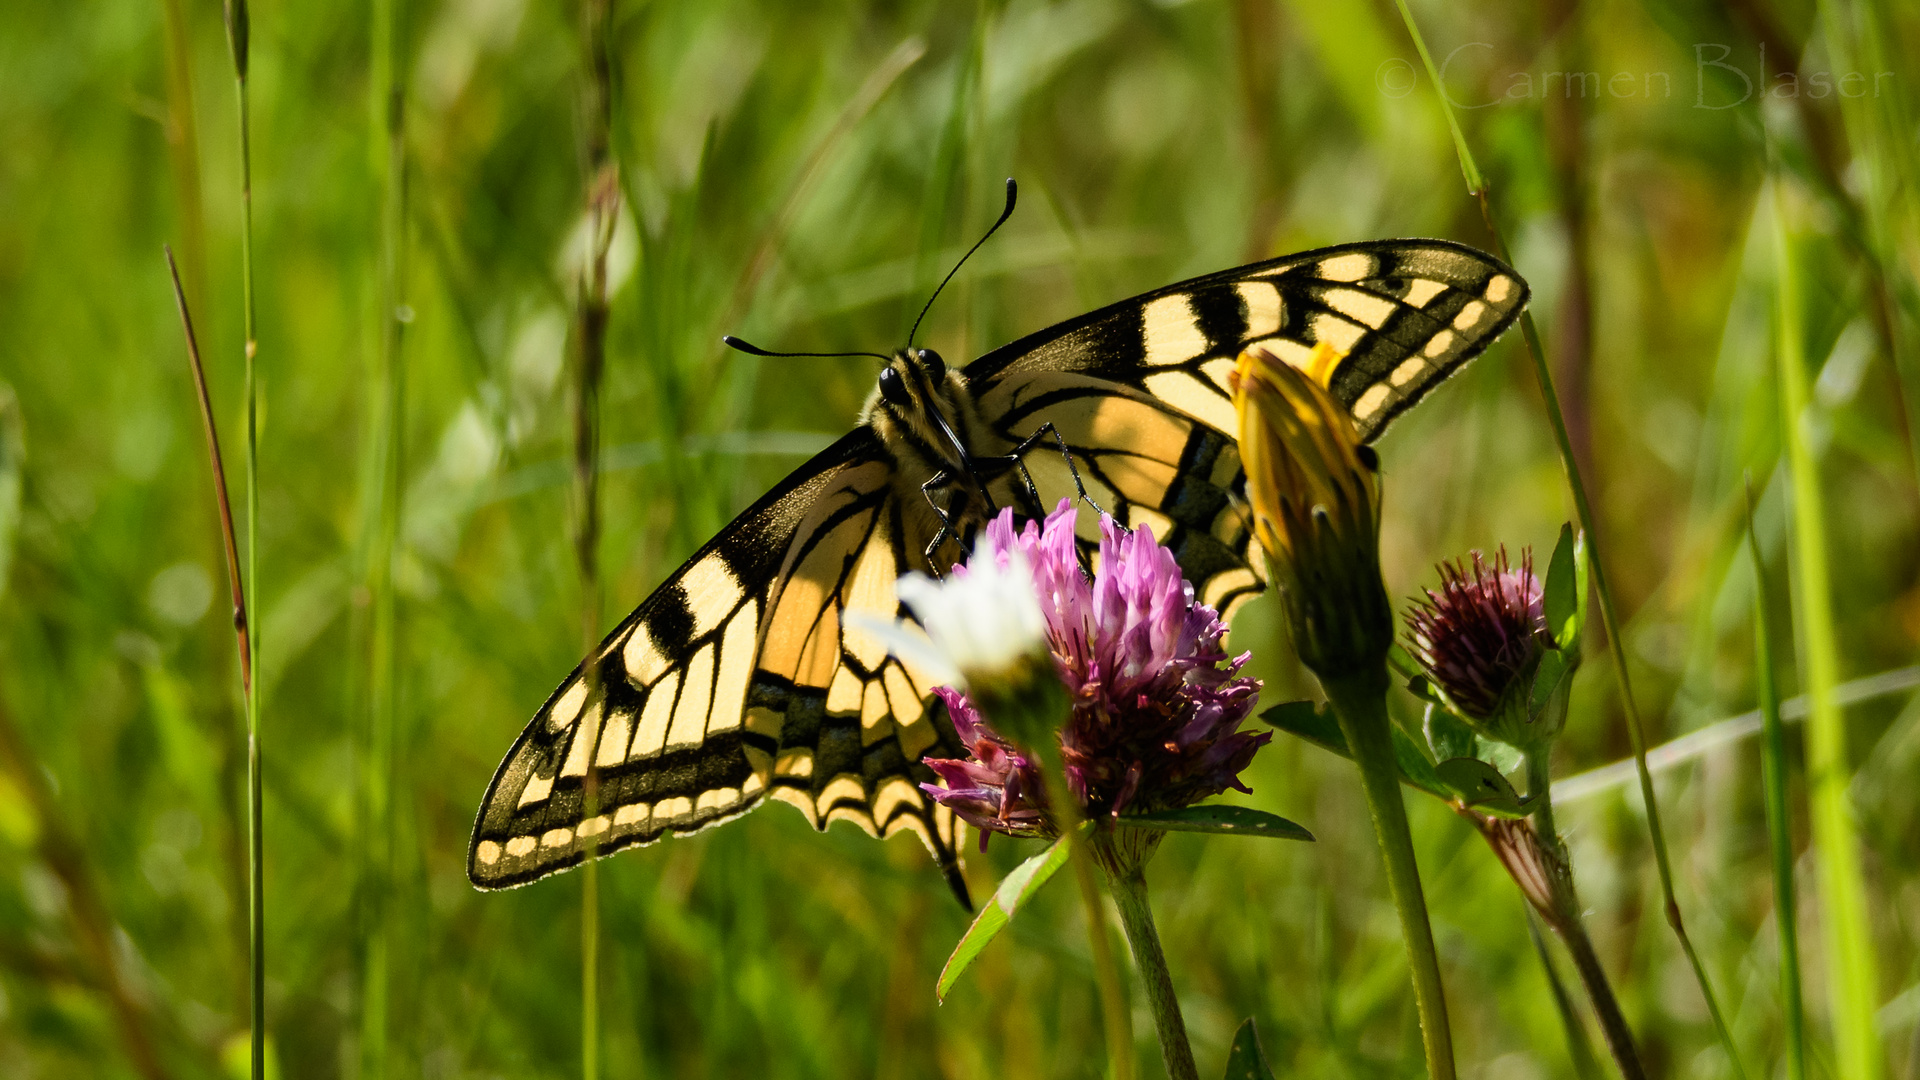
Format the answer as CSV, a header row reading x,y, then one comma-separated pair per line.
x,y
740,678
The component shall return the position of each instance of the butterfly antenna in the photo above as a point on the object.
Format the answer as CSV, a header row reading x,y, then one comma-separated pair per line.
x,y
1013,192
751,349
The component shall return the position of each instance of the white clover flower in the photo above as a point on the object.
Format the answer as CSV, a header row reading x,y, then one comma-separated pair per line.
x,y
981,623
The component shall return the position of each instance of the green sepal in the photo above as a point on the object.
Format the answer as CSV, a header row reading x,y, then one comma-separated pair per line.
x,y
1319,727
1481,787
1217,818
1025,880
1246,1061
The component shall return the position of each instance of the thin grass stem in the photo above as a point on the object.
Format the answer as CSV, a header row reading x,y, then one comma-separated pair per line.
x,y
1851,981
1773,764
1478,188
238,40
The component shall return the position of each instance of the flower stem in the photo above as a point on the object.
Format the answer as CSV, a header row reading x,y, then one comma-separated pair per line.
x,y
1573,931
1130,895
1360,704
1115,1014
1566,921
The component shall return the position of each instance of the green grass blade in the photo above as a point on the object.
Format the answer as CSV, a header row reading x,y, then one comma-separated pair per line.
x,y
1852,985
1773,761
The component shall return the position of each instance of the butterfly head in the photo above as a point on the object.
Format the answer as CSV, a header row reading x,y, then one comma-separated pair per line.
x,y
926,402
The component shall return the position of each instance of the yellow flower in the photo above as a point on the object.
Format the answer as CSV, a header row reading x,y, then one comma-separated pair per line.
x,y
1316,510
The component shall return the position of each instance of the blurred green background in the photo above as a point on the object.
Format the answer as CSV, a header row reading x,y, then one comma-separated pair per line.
x,y
801,175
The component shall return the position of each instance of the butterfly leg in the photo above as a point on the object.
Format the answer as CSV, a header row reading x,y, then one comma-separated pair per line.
x,y
940,479
1017,458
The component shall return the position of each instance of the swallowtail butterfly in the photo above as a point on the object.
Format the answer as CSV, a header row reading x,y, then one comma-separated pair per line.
x,y
739,678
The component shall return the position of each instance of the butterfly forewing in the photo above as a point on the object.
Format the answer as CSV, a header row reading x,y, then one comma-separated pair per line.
x,y
1139,390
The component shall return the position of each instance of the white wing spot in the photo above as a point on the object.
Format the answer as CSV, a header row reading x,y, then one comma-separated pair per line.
x,y
1422,291
843,697
653,718
1408,371
712,591
1370,401
1360,306
1173,335
613,741
1161,525
1290,352
519,846
1335,331
1470,315
488,852
568,706
585,738
696,693
674,811
1191,396
1350,267
1440,344
1499,288
844,786
645,662
594,826
537,790
556,838
736,670
1263,307
631,814
718,799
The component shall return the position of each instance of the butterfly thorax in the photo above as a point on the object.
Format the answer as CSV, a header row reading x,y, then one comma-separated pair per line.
x,y
925,415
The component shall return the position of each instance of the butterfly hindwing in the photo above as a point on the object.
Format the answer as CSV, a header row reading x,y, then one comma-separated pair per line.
x,y
692,708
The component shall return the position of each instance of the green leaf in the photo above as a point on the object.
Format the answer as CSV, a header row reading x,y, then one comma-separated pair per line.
x,y
1561,597
1481,787
1025,880
1448,735
1226,820
1319,727
1246,1061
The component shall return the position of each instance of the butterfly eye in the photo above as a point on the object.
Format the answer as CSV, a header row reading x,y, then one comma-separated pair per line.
x,y
1368,458
936,367
894,389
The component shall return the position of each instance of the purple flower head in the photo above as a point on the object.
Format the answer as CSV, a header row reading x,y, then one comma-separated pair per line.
x,y
1156,702
1483,631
